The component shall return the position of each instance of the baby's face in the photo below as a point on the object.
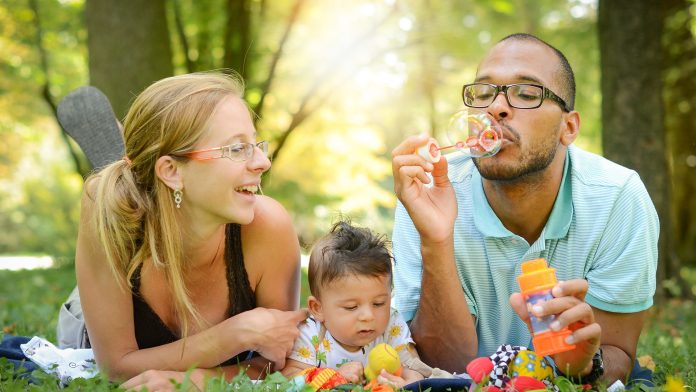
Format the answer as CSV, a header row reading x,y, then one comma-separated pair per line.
x,y
356,309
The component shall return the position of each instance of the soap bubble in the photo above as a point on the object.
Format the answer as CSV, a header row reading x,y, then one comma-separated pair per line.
x,y
476,131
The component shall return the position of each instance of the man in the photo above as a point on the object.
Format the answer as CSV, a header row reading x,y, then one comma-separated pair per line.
x,y
459,240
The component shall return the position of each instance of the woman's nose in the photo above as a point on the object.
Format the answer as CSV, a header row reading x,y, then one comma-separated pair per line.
x,y
259,161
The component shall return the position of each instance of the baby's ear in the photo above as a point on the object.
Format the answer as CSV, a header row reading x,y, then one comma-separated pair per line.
x,y
315,309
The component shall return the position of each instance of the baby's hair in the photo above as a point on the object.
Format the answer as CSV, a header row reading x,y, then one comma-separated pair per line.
x,y
348,250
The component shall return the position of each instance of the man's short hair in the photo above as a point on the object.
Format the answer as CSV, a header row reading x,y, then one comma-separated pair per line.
x,y
348,250
566,77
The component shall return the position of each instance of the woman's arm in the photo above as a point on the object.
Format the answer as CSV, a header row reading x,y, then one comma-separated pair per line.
x,y
108,312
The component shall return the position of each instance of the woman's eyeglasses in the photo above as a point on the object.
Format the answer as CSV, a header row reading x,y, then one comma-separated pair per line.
x,y
238,152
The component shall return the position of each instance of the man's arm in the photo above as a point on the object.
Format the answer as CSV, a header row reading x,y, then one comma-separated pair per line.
x,y
443,327
620,333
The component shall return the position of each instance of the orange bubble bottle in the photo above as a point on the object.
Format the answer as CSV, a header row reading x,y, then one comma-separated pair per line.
x,y
536,282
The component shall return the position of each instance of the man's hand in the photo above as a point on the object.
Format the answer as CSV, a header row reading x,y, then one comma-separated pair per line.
x,y
573,312
432,208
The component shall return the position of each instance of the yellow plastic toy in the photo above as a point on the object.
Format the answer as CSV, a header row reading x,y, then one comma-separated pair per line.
x,y
530,364
382,356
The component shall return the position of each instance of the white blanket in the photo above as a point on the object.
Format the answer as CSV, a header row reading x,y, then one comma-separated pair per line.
x,y
66,364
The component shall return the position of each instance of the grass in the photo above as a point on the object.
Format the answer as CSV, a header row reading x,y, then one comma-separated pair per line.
x,y
29,303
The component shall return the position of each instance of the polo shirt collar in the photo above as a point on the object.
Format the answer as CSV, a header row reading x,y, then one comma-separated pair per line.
x,y
488,223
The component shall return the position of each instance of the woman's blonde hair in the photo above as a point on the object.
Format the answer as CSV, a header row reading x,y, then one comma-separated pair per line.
x,y
136,214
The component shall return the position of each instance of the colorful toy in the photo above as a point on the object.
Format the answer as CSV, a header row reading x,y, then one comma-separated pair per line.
x,y
374,386
322,378
536,282
382,356
528,364
511,368
479,368
524,383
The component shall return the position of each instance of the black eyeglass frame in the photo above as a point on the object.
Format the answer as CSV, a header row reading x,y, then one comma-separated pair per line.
x,y
546,93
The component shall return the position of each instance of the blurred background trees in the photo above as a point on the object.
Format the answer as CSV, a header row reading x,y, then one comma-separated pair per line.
x,y
337,85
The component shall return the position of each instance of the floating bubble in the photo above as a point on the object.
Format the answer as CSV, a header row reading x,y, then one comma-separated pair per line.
x,y
474,130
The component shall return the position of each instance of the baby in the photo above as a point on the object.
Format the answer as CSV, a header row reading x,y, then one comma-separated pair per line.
x,y
350,275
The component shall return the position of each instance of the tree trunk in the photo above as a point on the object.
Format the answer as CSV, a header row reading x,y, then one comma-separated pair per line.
x,y
129,47
680,110
632,113
237,37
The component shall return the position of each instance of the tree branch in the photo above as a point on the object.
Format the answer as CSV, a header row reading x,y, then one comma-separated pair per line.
x,y
46,90
276,57
330,71
181,33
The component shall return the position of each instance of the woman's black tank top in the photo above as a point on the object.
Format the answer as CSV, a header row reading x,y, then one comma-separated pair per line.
x,y
150,330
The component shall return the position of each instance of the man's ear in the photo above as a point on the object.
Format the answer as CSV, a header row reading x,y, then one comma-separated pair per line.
x,y
169,171
571,127
315,309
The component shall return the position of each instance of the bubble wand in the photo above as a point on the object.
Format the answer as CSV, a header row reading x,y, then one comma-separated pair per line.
x,y
470,129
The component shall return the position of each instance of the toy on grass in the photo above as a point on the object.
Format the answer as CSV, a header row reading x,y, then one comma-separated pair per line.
x,y
511,368
479,368
382,356
374,386
322,378
528,364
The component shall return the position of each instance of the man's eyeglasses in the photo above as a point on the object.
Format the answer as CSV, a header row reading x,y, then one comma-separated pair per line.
x,y
520,95
237,152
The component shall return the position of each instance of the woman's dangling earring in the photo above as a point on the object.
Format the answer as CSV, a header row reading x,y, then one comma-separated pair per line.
x,y
177,197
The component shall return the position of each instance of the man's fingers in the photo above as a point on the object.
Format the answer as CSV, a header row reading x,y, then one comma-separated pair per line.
x,y
580,313
410,145
555,306
591,333
574,287
519,305
411,160
414,172
439,172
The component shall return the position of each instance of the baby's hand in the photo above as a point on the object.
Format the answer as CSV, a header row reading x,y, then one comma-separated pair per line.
x,y
352,371
387,378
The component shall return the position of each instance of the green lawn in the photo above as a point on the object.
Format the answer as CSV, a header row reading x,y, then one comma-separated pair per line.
x,y
29,303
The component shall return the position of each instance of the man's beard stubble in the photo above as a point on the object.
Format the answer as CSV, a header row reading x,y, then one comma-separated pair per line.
x,y
531,161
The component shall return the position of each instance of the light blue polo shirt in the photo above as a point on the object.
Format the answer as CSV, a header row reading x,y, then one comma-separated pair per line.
x,y
603,228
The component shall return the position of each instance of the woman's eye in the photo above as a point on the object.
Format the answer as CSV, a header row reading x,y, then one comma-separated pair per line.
x,y
236,149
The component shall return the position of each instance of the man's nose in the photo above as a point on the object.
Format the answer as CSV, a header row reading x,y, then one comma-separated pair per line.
x,y
499,108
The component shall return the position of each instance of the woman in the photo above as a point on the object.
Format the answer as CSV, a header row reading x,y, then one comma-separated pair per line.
x,y
179,262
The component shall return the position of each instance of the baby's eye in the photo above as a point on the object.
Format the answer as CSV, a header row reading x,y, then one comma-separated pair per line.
x,y
350,308
378,304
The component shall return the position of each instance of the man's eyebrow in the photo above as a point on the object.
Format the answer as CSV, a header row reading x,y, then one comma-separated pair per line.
x,y
520,78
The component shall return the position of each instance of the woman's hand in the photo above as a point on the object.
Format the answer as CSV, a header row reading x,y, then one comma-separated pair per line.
x,y
273,332
433,209
163,380
573,312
